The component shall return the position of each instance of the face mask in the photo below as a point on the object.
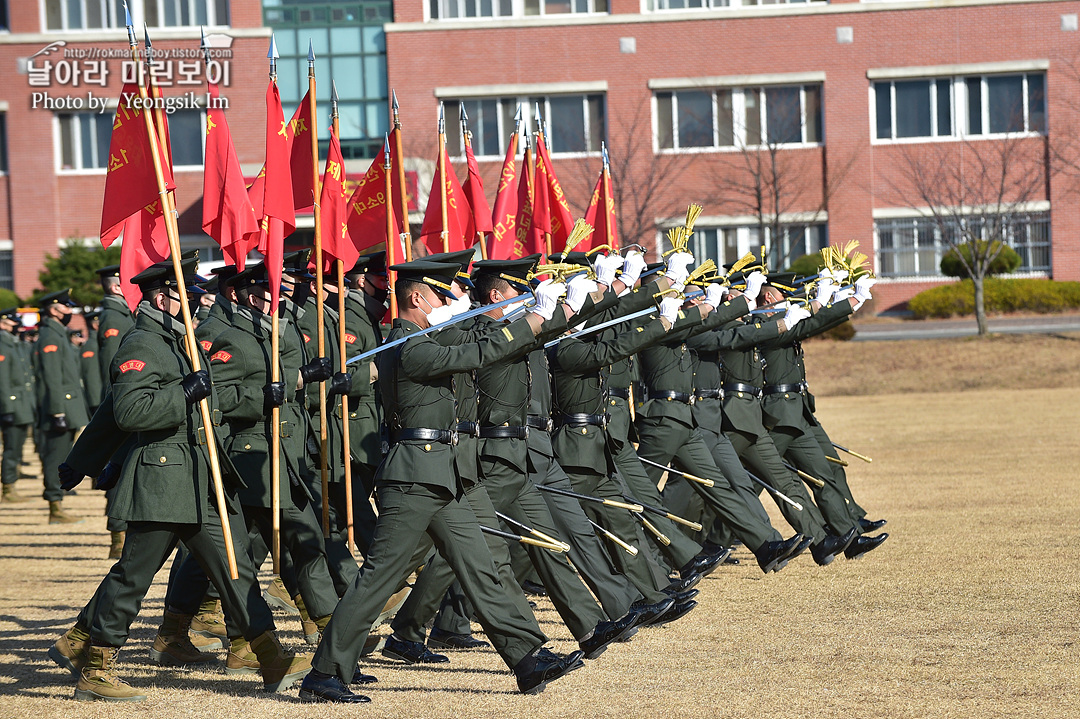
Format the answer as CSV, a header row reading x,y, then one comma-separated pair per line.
x,y
460,306
513,307
380,295
301,292
65,319
439,314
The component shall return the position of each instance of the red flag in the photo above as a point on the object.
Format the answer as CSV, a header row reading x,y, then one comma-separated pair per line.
x,y
227,213
334,210
474,192
527,238
130,183
279,218
501,241
541,216
368,206
559,216
397,187
603,223
300,160
459,222
161,118
145,242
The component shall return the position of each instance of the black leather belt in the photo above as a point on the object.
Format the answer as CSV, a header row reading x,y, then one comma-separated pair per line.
x,y
709,393
685,397
796,388
581,420
541,423
469,428
504,432
620,393
443,436
740,387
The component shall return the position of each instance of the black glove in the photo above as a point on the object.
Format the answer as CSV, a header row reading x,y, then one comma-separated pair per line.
x,y
339,384
59,423
7,419
69,478
312,446
273,396
107,479
317,370
196,386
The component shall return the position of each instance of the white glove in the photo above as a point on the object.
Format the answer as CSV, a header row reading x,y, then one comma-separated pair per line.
x,y
676,270
754,282
825,291
862,288
842,294
794,315
605,269
577,290
838,275
633,266
714,294
547,298
669,308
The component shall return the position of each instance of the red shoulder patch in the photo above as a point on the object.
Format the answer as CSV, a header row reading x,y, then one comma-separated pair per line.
x,y
136,365
221,355
48,348
2,358
206,345
350,338
306,338
88,353
112,332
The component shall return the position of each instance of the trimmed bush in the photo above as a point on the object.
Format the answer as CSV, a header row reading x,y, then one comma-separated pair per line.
x,y
8,299
1019,295
807,265
1006,261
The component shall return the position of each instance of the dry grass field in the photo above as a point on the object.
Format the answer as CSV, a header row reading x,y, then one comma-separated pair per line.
x,y
969,610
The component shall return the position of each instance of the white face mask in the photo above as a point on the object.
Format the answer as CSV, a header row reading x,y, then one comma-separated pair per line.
x,y
512,307
439,314
460,306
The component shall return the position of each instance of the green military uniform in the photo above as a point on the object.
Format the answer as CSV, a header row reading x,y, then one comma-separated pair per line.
x,y
62,410
16,402
91,371
419,490
114,322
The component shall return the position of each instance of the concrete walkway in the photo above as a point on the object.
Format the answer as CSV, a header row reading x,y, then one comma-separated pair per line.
x,y
943,329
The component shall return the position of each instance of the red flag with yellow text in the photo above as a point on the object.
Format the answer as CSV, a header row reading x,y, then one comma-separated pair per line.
x,y
528,239
279,217
334,210
227,213
459,222
603,222
145,242
301,161
559,217
501,239
367,208
474,192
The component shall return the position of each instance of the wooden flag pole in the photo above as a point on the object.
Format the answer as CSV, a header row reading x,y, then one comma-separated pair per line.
x,y
539,139
324,432
406,236
607,195
349,542
275,412
445,234
189,330
391,254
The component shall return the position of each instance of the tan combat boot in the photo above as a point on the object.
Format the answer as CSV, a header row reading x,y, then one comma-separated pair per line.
x,y
116,544
310,628
13,497
276,595
172,646
280,669
69,651
208,627
241,658
98,683
57,515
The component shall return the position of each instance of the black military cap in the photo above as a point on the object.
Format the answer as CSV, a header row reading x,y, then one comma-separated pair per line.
x,y
786,282
462,258
88,315
515,272
753,261
223,274
110,271
295,264
11,313
56,298
251,277
210,286
370,264
439,276
162,274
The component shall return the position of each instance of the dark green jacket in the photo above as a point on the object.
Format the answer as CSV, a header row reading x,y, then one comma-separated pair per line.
x,y
113,323
362,333
59,376
218,319
16,380
91,370
335,436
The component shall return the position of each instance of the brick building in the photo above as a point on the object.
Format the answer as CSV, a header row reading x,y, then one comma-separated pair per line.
x,y
848,119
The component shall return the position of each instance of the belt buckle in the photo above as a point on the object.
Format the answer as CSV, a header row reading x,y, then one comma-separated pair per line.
x,y
527,428
691,400
604,419
453,437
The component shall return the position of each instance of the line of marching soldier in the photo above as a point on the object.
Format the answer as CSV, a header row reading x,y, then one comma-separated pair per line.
x,y
499,451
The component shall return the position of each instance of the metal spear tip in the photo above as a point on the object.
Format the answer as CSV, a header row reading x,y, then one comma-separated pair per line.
x,y
202,38
333,92
393,103
464,115
310,52
539,117
127,16
517,115
272,54
146,36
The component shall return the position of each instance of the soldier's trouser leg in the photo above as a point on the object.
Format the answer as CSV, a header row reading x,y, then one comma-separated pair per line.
x,y
801,450
727,461
682,549
57,446
839,475
364,518
437,578
516,497
342,566
405,513
522,565
14,439
665,442
762,459
681,499
615,592
455,611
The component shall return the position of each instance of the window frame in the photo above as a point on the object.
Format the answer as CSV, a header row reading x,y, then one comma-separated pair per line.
x,y
76,150
517,10
652,6
138,15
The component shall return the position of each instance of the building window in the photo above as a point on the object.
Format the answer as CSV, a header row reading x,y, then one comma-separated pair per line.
x,y
573,124
961,106
98,14
83,14
3,16
7,269
725,245
184,13
471,9
913,247
738,117
655,5
85,136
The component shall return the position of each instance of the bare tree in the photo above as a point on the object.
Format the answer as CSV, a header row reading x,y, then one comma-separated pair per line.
x,y
976,193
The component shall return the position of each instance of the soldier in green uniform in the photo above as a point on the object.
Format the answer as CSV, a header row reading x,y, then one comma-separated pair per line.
x,y
62,408
419,491
89,364
114,321
16,403
164,493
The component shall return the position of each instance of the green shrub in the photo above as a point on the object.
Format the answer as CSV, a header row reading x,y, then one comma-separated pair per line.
x,y
8,299
1006,261
1016,295
807,265
75,267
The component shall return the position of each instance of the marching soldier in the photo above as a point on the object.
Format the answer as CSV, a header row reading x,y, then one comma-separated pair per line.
x,y
89,364
114,321
62,409
16,403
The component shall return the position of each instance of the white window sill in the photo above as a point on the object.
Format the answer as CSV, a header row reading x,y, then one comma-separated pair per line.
x,y
955,138
734,149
